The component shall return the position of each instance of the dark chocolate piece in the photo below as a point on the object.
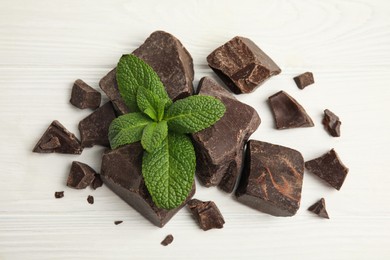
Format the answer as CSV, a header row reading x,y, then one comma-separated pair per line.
x,y
57,139
329,168
319,208
272,179
118,222
242,65
219,148
80,175
331,123
304,80
121,172
94,128
97,182
84,96
288,113
167,240
58,194
206,213
90,199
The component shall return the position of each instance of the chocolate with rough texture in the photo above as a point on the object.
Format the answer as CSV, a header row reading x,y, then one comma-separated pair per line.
x,y
242,65
90,199
304,80
167,240
206,213
58,194
80,175
97,182
288,113
121,171
329,168
219,148
272,179
331,123
319,208
84,96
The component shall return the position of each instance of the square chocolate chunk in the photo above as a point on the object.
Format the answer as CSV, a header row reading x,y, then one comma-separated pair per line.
x,y
304,80
206,213
84,96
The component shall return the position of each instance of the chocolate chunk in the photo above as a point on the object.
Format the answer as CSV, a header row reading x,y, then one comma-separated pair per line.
x,y
272,179
167,240
288,113
90,199
331,123
84,96
206,213
97,182
118,222
319,208
121,172
57,139
58,194
219,148
242,65
304,80
329,168
94,128
80,175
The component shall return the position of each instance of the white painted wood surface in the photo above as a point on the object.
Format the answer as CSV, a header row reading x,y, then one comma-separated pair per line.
x,y
46,45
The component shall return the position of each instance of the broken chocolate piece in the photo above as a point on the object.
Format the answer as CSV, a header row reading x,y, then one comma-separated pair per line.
x,y
304,80
57,139
167,240
219,148
242,65
121,171
272,179
118,222
319,208
84,96
80,175
94,128
97,182
329,168
59,194
90,199
288,113
331,123
206,213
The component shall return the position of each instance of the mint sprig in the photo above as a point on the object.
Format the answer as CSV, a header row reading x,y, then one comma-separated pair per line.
x,y
168,164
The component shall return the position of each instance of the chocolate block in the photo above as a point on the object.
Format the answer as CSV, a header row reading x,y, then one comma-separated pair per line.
x,y
304,80
90,199
329,168
57,139
219,148
121,172
84,96
272,179
319,208
242,65
58,194
167,240
94,128
80,175
97,182
331,123
206,213
288,113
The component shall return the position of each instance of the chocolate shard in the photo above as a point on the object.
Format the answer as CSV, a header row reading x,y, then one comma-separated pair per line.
x,y
319,208
121,171
58,194
90,199
304,80
329,168
288,113
80,175
206,213
219,148
94,128
97,182
331,123
84,96
57,139
272,179
117,222
167,240
242,65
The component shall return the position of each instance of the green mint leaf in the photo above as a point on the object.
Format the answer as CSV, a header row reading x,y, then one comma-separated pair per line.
x,y
194,113
127,129
169,171
150,103
153,135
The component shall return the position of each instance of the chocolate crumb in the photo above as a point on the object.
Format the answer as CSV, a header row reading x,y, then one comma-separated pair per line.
x,y
118,222
304,80
59,194
319,208
90,199
167,240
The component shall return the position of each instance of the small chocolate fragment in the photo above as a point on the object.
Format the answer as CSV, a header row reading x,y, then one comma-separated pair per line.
x,y
272,179
242,65
206,213
319,208
329,168
59,194
167,240
118,222
84,96
94,128
288,113
80,175
331,123
57,139
90,199
97,182
304,80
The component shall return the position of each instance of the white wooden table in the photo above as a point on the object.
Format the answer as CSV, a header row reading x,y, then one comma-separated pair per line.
x,y
46,45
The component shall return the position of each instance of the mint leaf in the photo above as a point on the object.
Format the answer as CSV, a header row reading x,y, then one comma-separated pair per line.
x,y
127,129
194,113
153,135
150,104
169,171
